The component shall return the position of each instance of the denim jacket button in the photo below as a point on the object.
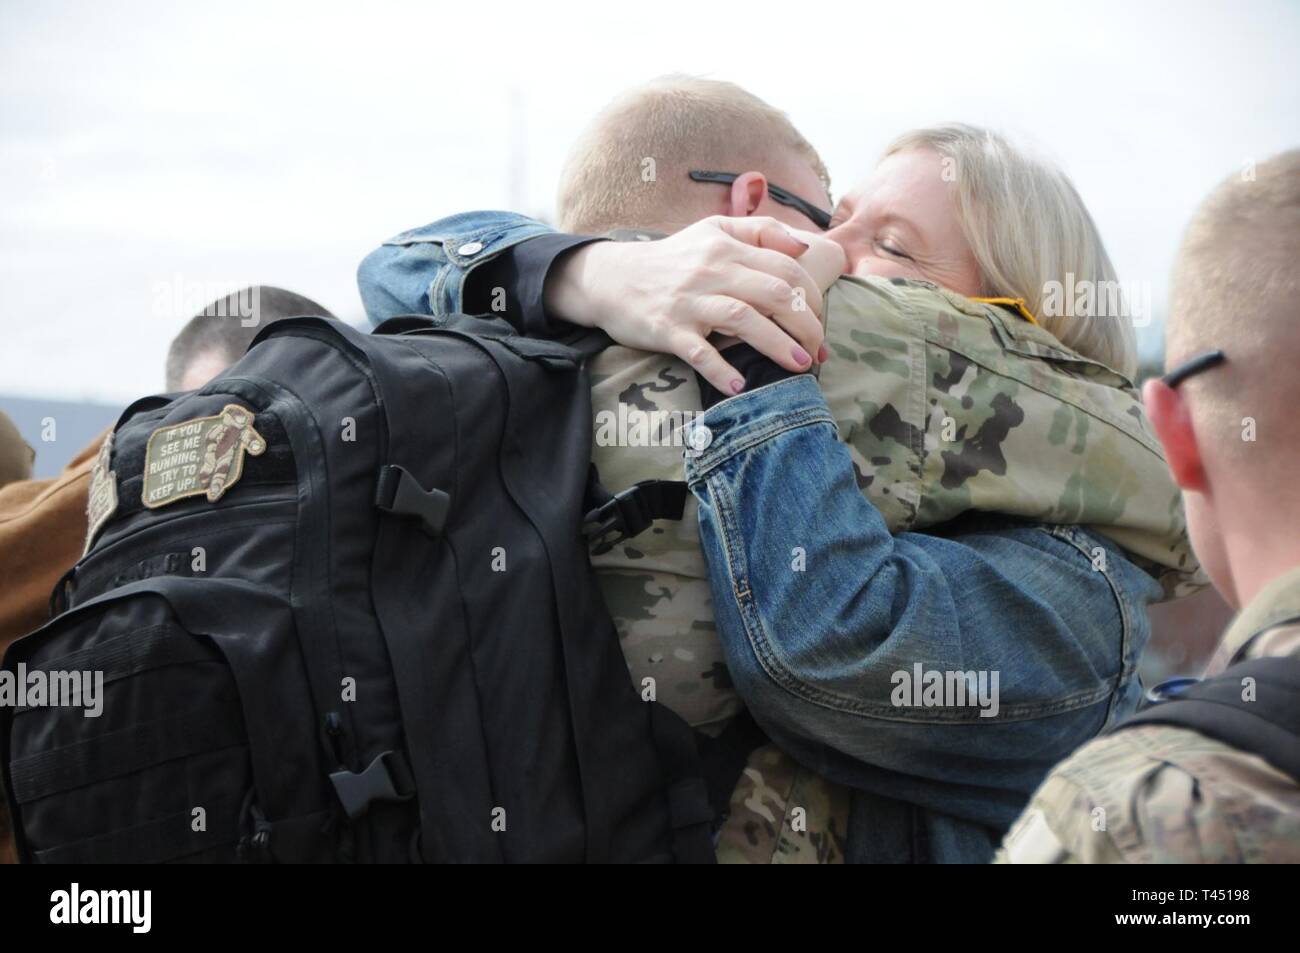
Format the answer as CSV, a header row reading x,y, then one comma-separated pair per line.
x,y
470,248
700,438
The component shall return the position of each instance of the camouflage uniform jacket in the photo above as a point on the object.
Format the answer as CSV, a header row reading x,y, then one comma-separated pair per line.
x,y
1160,794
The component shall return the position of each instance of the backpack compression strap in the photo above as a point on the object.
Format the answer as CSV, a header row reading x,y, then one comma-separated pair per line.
x,y
614,517
1268,724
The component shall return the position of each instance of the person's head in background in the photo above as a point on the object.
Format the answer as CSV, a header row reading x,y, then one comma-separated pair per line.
x,y
964,208
219,335
1231,433
631,167
16,454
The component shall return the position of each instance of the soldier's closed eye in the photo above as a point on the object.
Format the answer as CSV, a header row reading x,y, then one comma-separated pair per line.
x,y
891,249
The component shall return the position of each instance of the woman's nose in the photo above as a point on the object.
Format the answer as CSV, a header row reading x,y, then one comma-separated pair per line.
x,y
854,247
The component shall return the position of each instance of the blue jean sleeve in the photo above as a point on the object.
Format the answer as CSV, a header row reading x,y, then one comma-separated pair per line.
x,y
951,672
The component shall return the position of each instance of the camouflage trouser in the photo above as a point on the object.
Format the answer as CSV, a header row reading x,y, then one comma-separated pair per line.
x,y
781,813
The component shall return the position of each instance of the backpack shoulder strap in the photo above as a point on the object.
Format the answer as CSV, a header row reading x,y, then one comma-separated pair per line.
x,y
1267,723
585,343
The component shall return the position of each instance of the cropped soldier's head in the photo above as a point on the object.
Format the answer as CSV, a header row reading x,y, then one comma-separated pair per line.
x,y
1231,428
632,166
16,455
219,335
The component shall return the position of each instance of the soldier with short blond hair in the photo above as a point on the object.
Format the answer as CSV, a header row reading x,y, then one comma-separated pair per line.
x,y
1162,791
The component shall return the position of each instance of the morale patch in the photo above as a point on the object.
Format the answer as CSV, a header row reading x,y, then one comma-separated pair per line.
x,y
200,456
101,502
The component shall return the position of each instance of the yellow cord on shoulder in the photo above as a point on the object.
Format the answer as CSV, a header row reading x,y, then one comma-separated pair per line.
x,y
1017,303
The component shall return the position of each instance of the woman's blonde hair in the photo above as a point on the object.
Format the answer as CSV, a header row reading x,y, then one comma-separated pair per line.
x,y
1028,228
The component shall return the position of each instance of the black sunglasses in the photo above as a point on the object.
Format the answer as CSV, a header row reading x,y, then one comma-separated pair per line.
x,y
819,217
1194,366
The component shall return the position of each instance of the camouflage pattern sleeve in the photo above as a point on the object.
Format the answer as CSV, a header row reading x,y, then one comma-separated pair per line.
x,y
1159,794
948,405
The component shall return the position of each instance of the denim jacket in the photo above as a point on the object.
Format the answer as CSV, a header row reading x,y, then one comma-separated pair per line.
x,y
831,628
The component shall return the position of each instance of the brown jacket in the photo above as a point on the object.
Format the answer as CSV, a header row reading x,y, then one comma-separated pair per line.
x,y
42,531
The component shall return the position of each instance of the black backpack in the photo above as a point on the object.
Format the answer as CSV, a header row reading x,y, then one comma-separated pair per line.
x,y
343,610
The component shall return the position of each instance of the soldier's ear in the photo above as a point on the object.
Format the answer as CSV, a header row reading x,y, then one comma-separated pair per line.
x,y
1172,420
747,194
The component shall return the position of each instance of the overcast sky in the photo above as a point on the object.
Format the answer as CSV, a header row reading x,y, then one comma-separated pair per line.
x,y
149,149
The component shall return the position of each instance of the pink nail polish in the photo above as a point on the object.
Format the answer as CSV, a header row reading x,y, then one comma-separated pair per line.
x,y
823,354
801,357
737,386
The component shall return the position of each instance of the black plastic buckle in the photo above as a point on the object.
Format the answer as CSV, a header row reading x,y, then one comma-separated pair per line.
x,y
399,492
619,518
378,782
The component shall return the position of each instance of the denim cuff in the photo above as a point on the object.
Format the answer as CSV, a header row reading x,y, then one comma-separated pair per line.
x,y
754,417
530,265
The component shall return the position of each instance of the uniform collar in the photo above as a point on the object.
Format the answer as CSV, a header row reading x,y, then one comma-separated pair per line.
x,y
1275,604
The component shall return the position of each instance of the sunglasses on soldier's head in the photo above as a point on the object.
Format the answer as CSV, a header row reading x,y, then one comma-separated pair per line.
x,y
1194,366
818,216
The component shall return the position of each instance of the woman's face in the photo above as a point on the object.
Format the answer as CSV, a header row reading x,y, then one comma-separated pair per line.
x,y
902,223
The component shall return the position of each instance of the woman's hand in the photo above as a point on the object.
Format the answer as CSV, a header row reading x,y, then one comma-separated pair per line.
x,y
737,277
824,260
